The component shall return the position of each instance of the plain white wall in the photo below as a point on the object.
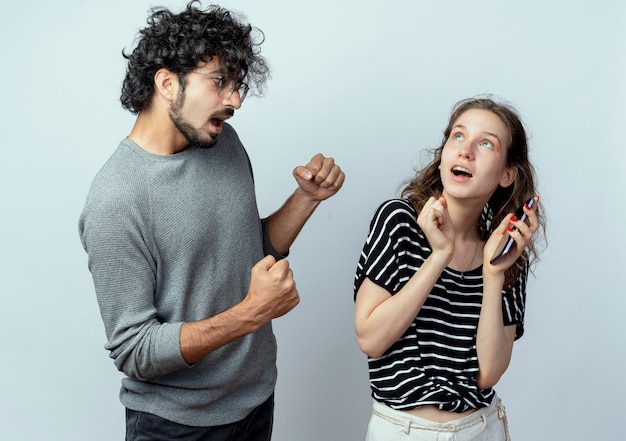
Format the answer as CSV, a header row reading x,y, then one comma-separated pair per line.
x,y
371,84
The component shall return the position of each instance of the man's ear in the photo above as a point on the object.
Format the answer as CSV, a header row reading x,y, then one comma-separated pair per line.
x,y
509,175
166,84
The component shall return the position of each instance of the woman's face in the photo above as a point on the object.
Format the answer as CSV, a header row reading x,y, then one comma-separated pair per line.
x,y
473,159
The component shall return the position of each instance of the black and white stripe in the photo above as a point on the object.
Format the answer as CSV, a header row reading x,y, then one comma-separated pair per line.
x,y
435,361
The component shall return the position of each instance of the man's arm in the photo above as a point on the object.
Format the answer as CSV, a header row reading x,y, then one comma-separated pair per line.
x,y
272,290
320,179
272,294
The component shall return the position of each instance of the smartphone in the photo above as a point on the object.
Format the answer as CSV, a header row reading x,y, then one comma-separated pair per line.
x,y
507,243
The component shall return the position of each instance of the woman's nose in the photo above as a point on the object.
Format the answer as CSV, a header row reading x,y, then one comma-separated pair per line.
x,y
465,151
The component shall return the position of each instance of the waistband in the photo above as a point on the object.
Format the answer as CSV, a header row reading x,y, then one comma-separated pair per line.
x,y
409,421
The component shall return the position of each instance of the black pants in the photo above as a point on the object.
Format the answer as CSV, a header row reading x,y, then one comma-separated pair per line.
x,y
257,426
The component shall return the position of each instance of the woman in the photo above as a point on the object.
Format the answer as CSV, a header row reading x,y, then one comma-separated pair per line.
x,y
435,317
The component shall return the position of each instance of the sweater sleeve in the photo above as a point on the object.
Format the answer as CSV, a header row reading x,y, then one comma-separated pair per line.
x,y
268,248
123,265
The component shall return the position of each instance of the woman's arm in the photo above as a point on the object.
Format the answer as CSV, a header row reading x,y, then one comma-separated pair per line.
x,y
494,340
380,319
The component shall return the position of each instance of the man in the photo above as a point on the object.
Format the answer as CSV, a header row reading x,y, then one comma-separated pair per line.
x,y
187,276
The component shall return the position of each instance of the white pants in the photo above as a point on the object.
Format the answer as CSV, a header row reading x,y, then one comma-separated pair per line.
x,y
486,424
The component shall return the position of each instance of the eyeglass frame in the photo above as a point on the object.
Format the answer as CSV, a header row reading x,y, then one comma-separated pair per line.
x,y
220,80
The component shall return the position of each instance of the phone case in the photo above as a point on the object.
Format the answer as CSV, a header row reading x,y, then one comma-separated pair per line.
x,y
507,243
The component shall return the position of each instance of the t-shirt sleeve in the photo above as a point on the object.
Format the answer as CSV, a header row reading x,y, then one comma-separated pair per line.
x,y
514,303
381,260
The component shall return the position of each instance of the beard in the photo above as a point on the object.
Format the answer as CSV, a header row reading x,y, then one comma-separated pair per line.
x,y
193,135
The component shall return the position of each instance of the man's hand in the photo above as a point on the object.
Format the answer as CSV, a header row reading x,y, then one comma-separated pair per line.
x,y
272,290
320,179
272,293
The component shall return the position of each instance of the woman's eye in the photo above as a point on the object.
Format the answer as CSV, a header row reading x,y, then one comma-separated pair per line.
x,y
486,144
458,137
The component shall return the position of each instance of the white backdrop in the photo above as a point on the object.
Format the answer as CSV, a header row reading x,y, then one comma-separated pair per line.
x,y
371,84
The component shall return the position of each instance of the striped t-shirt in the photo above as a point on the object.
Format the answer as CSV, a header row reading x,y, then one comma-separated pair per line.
x,y
435,361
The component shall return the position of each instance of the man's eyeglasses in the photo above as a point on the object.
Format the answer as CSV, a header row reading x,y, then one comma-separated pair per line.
x,y
242,88
225,89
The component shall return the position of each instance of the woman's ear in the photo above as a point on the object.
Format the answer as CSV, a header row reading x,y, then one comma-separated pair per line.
x,y
509,175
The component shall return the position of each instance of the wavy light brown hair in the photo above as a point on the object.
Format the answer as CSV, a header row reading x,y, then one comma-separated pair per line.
x,y
427,181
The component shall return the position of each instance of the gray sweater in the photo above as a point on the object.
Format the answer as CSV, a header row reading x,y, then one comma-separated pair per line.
x,y
172,239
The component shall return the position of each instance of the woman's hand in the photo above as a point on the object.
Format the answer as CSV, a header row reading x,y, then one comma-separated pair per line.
x,y
434,220
521,232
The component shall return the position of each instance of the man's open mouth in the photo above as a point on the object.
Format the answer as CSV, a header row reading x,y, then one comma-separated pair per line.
x,y
217,122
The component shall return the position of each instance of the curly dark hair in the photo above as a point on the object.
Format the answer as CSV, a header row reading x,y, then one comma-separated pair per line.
x,y
427,181
179,42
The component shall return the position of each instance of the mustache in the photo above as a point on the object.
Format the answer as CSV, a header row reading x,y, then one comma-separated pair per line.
x,y
226,111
